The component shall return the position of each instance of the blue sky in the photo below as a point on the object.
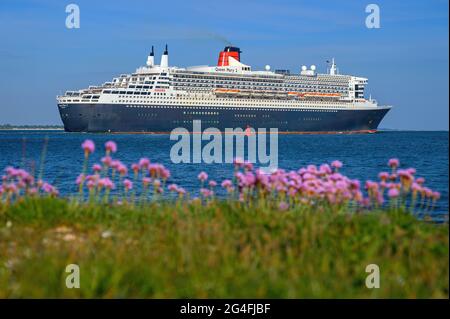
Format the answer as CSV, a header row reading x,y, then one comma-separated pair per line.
x,y
406,60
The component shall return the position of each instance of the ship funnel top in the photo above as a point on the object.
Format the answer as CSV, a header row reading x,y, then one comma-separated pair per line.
x,y
165,58
229,51
151,58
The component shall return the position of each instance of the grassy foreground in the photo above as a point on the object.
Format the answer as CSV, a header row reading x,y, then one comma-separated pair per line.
x,y
221,250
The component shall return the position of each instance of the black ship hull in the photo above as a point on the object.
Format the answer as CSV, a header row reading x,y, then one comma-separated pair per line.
x,y
163,118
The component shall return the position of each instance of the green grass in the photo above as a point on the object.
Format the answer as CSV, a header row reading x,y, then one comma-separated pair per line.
x,y
218,251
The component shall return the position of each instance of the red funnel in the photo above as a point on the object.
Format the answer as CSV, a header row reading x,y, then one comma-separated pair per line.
x,y
227,52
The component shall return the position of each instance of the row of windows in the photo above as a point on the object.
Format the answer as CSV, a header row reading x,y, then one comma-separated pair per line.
x,y
191,121
233,109
201,113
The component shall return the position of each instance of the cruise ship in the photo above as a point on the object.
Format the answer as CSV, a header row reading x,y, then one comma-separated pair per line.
x,y
159,98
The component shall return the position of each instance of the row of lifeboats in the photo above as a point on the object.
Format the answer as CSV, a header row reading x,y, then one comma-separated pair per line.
x,y
237,92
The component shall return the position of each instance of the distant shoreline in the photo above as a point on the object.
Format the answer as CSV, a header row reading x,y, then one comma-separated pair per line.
x,y
33,129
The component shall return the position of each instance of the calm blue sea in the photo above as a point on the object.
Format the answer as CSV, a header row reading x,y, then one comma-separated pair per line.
x,y
363,155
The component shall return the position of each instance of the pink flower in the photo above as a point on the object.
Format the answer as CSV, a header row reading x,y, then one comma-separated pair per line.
x,y
106,182
394,162
416,187
49,189
164,173
88,146
248,166
107,160
12,188
173,187
227,183
144,163
336,164
146,181
202,176
115,164
206,192
135,168
283,206
122,169
80,179
212,183
393,193
383,176
428,192
111,146
420,180
96,168
325,169
91,184
127,184
249,179
436,195
156,183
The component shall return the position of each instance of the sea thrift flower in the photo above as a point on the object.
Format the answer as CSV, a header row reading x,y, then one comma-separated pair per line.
x,y
336,164
80,179
181,191
226,183
49,189
283,206
144,163
153,170
436,195
248,166
107,160
96,168
393,193
164,173
420,180
88,146
416,187
383,176
173,187
127,184
206,192
428,191
106,182
394,163
115,164
91,184
325,169
111,147
212,183
202,176
135,168
146,181
122,169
